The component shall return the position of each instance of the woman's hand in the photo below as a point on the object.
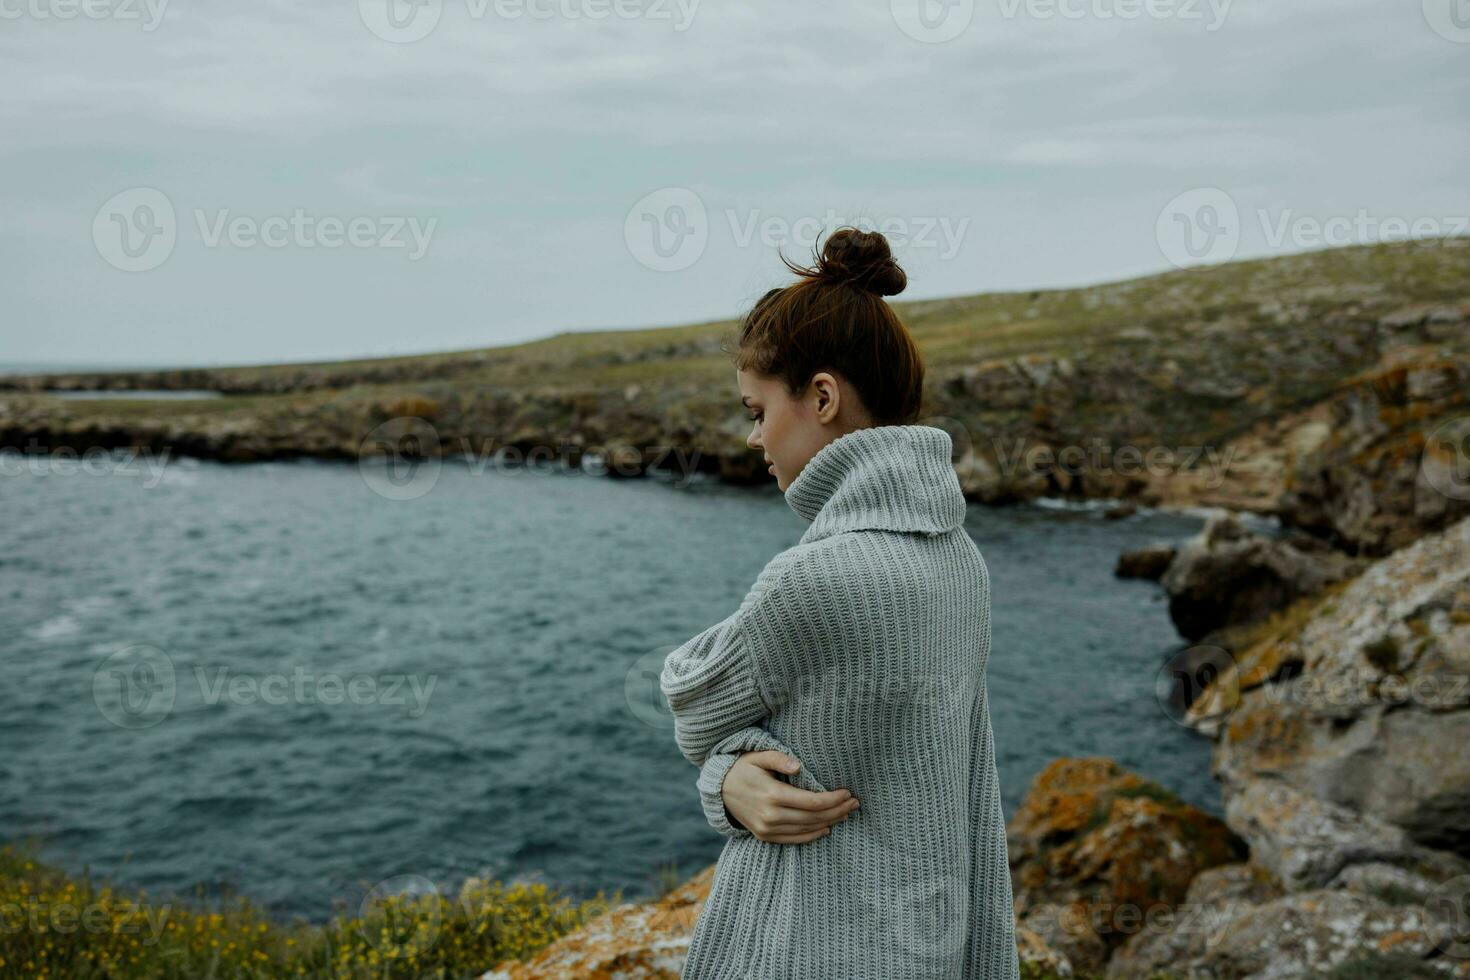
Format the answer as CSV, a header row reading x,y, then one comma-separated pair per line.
x,y
775,811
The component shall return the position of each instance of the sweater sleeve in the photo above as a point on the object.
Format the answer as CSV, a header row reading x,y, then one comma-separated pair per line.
x,y
712,688
723,679
722,683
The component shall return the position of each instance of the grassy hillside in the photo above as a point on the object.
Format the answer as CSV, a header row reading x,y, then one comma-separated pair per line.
x,y
1187,357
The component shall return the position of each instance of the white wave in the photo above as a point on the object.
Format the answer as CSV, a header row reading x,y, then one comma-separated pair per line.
x,y
56,628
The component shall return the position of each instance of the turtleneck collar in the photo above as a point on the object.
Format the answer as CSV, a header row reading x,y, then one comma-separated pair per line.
x,y
883,478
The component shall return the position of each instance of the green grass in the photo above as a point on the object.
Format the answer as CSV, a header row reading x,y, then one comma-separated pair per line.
x,y
56,926
1186,358
1142,311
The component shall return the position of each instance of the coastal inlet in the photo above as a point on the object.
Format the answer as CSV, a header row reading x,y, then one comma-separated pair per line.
x,y
365,687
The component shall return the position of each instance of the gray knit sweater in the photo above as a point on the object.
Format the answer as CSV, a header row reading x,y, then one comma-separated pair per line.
x,y
860,651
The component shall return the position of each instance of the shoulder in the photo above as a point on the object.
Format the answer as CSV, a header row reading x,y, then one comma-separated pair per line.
x,y
878,559
815,562
840,563
784,570
797,579
836,564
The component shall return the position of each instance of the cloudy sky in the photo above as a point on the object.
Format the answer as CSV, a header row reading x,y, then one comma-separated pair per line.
x,y
200,181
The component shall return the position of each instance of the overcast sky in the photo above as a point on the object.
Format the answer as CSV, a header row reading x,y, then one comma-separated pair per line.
x,y
199,181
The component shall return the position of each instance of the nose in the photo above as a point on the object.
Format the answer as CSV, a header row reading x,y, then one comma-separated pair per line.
x,y
753,440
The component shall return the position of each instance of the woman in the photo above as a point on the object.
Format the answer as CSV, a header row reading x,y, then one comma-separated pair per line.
x,y
860,653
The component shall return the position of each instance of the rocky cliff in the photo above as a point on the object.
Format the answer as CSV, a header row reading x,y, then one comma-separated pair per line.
x,y
1341,725
1308,386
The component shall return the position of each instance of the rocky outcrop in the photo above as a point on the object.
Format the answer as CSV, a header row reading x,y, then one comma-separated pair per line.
x,y
1358,705
1222,387
634,941
1237,923
1392,463
1150,562
650,941
1229,576
1095,849
1305,842
1339,734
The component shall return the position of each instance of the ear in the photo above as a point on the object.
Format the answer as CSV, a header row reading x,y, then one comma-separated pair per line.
x,y
827,397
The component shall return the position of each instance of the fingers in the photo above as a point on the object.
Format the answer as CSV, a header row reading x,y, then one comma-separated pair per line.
x,y
786,820
800,799
794,813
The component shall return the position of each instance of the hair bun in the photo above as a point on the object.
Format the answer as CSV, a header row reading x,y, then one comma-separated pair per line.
x,y
861,258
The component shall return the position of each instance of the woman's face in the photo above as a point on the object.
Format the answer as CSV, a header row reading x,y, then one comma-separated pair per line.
x,y
788,430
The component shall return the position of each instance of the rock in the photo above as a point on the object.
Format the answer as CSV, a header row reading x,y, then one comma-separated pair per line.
x,y
1370,485
743,467
1433,317
1236,923
1357,704
411,406
1066,933
1305,842
1035,952
1331,728
1093,848
647,941
1303,935
1249,472
1147,562
1387,881
1216,896
1018,382
1227,575
980,479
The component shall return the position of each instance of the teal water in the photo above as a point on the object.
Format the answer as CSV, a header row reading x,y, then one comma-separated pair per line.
x,y
272,679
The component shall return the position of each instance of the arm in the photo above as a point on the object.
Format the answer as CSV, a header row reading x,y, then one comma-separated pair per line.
x,y
722,683
717,683
711,685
